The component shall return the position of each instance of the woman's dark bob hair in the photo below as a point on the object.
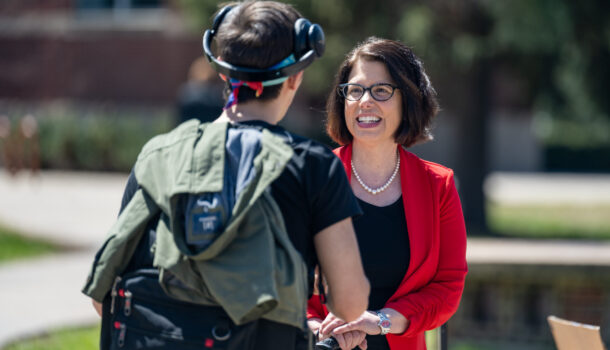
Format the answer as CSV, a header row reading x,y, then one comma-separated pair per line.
x,y
419,104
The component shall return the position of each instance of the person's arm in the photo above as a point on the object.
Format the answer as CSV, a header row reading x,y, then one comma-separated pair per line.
x,y
97,306
339,258
130,189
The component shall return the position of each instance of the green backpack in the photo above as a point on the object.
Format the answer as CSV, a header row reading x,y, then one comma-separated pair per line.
x,y
221,239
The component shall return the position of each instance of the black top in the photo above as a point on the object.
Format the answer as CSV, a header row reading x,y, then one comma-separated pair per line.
x,y
384,247
312,193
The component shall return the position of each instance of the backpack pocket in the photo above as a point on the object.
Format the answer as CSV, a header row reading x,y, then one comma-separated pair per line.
x,y
144,317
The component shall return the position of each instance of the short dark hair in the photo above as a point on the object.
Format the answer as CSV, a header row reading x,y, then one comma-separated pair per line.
x,y
257,34
419,104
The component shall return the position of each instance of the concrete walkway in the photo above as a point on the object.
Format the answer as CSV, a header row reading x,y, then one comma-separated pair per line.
x,y
76,209
548,188
70,209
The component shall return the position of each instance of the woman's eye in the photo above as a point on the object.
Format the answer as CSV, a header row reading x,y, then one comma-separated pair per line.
x,y
381,91
355,91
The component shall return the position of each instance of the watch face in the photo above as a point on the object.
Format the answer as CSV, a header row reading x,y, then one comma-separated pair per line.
x,y
385,323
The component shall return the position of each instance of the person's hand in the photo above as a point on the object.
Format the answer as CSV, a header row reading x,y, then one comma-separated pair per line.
x,y
351,339
347,340
97,306
314,324
366,323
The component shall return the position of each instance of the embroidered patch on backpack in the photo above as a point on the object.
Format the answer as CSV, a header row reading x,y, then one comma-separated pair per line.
x,y
205,220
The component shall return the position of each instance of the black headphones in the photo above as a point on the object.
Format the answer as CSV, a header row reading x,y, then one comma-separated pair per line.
x,y
308,45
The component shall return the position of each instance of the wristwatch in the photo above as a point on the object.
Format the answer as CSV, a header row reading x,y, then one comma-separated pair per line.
x,y
384,323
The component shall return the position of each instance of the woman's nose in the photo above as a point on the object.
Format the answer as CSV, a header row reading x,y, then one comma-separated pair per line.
x,y
366,98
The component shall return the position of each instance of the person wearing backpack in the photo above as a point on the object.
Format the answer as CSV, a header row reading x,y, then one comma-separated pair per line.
x,y
222,223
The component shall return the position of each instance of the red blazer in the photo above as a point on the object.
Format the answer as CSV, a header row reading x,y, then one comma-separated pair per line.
x,y
431,290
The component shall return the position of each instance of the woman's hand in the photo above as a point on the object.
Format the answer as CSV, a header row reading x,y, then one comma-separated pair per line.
x,y
347,340
367,323
351,339
330,322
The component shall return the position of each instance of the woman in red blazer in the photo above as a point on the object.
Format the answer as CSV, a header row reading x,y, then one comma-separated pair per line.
x,y
412,236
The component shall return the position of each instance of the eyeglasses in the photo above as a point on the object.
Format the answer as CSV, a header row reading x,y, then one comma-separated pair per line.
x,y
380,91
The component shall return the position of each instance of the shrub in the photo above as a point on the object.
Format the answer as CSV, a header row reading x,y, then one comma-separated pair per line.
x,y
96,141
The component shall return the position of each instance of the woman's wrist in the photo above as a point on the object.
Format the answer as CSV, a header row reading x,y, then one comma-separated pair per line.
x,y
399,323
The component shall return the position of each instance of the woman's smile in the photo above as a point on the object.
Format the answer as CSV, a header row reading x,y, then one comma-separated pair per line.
x,y
368,121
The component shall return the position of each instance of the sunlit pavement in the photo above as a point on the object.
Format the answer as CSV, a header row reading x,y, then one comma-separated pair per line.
x,y
71,209
42,294
75,210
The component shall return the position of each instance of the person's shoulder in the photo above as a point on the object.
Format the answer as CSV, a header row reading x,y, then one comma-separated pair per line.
x,y
434,170
180,133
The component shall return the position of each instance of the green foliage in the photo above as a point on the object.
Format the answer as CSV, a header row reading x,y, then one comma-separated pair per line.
x,y
416,25
68,339
529,27
572,133
563,56
97,140
15,246
200,13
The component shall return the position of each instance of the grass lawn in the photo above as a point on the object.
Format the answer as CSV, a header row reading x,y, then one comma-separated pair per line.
x,y
68,339
14,246
498,345
561,221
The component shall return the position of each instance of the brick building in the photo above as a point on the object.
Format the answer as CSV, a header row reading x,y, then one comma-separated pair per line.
x,y
133,51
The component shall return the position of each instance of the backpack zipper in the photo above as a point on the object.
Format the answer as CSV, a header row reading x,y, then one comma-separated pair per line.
x,y
127,309
113,293
122,331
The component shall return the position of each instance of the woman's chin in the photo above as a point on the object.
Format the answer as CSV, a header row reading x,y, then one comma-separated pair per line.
x,y
369,125
368,136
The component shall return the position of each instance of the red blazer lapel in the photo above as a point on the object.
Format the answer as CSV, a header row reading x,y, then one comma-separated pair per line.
x,y
417,197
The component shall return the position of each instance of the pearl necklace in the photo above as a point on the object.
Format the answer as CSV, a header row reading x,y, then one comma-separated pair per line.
x,y
382,188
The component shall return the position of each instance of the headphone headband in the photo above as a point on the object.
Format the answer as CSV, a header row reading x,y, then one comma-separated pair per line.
x,y
306,35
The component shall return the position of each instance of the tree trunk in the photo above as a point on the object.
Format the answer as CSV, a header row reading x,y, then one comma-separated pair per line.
x,y
471,166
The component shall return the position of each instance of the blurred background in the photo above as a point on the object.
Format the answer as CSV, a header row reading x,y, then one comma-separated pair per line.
x,y
525,120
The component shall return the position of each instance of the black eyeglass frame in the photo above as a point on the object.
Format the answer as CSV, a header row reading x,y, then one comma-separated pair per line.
x,y
341,89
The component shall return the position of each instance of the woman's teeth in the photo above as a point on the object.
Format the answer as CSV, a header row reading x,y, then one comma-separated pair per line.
x,y
368,119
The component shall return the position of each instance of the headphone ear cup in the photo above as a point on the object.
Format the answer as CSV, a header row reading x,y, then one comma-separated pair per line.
x,y
316,40
301,33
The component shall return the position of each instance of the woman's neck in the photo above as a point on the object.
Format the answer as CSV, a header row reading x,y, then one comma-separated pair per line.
x,y
378,158
375,165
